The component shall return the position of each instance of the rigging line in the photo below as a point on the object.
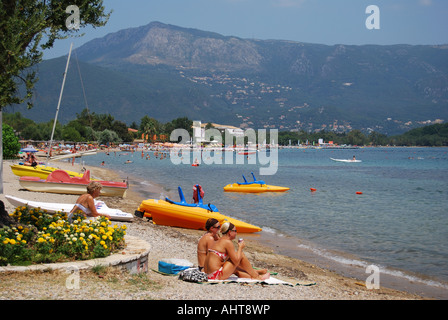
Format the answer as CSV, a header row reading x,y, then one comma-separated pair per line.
x,y
83,90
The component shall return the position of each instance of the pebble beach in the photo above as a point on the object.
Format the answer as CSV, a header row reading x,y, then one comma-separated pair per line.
x,y
308,282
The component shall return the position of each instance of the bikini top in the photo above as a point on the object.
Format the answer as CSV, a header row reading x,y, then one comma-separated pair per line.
x,y
87,211
222,255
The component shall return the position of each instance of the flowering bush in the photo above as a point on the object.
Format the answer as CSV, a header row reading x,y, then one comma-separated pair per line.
x,y
42,237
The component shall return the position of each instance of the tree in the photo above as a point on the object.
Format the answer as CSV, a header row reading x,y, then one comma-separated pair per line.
x,y
149,126
356,137
24,24
108,136
11,145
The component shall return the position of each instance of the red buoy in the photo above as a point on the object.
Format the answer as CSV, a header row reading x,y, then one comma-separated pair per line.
x,y
313,189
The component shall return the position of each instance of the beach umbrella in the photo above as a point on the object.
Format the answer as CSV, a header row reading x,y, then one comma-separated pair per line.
x,y
28,149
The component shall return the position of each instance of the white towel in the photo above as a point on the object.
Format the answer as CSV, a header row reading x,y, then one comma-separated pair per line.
x,y
271,280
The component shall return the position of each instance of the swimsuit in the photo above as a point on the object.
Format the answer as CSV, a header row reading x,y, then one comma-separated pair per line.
x,y
215,275
218,273
87,211
79,206
222,255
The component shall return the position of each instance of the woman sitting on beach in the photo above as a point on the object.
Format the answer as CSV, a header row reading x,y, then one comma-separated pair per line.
x,y
207,240
30,160
86,203
222,260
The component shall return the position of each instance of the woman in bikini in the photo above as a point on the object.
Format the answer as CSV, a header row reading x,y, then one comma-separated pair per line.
x,y
222,260
85,202
206,241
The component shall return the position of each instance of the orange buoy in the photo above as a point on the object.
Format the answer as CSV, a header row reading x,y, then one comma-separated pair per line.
x,y
313,189
358,192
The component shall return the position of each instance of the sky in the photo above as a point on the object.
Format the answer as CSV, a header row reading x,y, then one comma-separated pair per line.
x,y
330,22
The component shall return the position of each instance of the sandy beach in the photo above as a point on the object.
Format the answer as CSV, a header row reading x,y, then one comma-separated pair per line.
x,y
309,281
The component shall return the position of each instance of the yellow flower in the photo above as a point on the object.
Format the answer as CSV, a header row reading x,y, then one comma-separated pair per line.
x,y
12,241
104,237
40,240
102,243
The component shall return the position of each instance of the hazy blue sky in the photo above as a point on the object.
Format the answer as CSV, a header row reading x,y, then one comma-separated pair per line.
x,y
314,21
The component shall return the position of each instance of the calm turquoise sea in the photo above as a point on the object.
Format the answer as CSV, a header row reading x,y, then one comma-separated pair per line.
x,y
399,222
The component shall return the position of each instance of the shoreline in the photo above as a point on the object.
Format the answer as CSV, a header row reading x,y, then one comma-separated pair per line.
x,y
337,261
181,243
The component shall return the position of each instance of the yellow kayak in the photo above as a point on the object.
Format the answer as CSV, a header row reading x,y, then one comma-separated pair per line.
x,y
253,188
40,171
190,216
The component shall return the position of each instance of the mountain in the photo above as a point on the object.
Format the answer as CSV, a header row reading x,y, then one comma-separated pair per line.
x,y
166,72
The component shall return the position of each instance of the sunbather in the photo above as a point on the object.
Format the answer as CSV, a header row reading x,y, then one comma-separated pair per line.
x,y
222,260
206,241
86,204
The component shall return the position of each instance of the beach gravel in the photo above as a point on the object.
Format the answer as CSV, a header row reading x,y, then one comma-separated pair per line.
x,y
309,282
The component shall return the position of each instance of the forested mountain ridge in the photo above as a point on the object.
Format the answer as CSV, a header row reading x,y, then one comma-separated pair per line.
x,y
166,72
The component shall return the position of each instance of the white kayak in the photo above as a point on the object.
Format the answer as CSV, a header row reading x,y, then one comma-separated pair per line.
x,y
101,207
346,160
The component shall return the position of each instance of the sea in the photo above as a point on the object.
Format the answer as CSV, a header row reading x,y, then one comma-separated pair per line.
x,y
383,220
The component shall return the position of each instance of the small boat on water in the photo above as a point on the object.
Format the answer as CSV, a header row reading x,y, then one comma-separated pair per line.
x,y
40,171
187,215
52,208
59,181
347,160
255,186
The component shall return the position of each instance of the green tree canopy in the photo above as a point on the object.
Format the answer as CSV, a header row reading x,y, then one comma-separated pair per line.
x,y
29,26
11,145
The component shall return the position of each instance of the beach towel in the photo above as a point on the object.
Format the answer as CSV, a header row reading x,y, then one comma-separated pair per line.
x,y
271,281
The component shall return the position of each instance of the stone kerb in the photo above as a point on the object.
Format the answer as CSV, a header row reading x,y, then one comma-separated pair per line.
x,y
134,258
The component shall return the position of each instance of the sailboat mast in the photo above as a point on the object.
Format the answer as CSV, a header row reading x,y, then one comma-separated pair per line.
x,y
59,102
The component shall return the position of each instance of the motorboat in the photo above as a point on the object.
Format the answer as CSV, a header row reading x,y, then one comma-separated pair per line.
x,y
347,160
187,215
52,208
59,181
255,186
